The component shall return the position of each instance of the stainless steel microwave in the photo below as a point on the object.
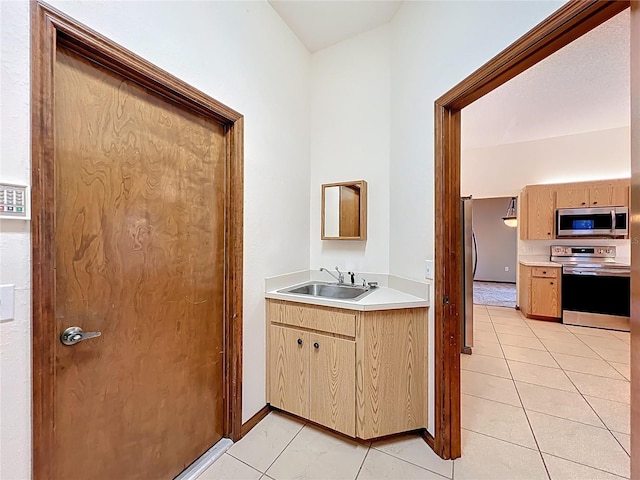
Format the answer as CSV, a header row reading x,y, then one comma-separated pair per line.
x,y
592,222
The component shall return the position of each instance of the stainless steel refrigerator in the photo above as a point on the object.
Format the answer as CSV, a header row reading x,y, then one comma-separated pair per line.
x,y
469,262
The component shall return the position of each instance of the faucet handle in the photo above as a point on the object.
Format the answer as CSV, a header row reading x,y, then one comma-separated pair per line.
x,y
340,275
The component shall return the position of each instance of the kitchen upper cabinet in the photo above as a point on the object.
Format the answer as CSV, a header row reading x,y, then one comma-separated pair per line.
x,y
539,291
538,212
597,194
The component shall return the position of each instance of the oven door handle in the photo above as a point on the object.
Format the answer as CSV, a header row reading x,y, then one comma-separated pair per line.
x,y
599,272
613,221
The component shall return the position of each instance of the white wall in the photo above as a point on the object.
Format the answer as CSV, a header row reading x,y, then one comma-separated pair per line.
x,y
503,170
434,46
242,54
350,128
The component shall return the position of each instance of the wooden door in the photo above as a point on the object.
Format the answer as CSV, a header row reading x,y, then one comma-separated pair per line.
x,y
332,370
289,370
572,197
540,212
139,256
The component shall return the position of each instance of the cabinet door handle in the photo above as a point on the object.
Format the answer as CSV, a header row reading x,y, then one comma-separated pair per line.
x,y
544,272
595,203
299,341
551,283
316,345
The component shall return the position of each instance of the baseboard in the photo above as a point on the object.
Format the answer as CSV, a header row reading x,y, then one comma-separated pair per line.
x,y
253,421
429,439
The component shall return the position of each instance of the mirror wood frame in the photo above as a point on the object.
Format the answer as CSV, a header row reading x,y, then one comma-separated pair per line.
x,y
362,210
568,23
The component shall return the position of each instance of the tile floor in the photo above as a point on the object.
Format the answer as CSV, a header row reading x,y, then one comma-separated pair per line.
x,y
539,401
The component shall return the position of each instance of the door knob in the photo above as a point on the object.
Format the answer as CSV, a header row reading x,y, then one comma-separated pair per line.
x,y
73,335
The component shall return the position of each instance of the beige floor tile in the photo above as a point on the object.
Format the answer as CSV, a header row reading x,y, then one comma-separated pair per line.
x,y
380,466
623,368
549,326
603,342
556,335
585,444
529,355
262,445
559,403
489,387
514,330
481,318
561,469
594,332
570,348
487,348
613,355
228,467
498,420
520,341
486,458
503,312
485,364
593,366
539,375
413,449
512,321
488,337
624,440
624,336
482,327
318,454
615,415
601,387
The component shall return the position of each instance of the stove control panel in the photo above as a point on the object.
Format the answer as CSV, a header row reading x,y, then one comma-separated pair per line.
x,y
588,252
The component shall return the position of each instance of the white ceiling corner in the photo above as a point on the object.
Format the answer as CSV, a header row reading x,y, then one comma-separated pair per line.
x,y
320,24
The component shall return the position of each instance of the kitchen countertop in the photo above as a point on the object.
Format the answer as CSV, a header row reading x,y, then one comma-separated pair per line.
x,y
533,263
382,298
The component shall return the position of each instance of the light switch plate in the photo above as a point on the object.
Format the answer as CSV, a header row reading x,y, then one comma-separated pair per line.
x,y
7,302
428,269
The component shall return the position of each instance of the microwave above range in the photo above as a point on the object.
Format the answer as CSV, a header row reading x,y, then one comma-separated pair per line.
x,y
592,222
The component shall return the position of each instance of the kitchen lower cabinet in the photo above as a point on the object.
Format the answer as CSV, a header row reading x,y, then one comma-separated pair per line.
x,y
363,374
539,291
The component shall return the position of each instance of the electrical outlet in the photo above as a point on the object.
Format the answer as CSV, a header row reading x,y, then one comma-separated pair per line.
x,y
428,269
506,269
7,294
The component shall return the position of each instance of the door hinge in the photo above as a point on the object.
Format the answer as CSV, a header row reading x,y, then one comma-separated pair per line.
x,y
445,300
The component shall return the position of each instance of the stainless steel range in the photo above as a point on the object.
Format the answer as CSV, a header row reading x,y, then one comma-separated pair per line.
x,y
596,288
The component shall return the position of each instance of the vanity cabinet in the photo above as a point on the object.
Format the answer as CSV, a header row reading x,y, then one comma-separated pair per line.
x,y
540,291
363,374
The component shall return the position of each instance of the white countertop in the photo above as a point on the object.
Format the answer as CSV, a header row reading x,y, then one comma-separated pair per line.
x,y
533,263
382,298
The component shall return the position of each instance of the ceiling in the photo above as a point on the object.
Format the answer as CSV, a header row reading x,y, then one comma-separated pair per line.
x,y
583,87
320,24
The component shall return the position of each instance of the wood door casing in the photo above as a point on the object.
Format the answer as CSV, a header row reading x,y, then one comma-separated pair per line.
x,y
332,372
139,234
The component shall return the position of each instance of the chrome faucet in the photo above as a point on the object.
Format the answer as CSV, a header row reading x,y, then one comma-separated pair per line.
x,y
339,278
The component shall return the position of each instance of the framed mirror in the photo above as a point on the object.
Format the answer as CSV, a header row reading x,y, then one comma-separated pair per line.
x,y
344,211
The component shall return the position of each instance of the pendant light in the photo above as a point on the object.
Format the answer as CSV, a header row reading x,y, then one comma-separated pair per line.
x,y
511,219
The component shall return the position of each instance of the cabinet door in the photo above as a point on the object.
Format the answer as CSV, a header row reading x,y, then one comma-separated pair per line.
x,y
333,383
289,370
540,212
609,195
545,298
572,197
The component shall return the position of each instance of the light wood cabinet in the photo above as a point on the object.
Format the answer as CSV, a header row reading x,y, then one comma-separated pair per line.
x,y
363,374
538,213
597,194
539,291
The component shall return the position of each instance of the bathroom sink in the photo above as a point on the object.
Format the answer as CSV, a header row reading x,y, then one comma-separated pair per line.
x,y
330,290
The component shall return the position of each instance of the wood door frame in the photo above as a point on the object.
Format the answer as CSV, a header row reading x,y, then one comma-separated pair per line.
x,y
50,28
565,25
